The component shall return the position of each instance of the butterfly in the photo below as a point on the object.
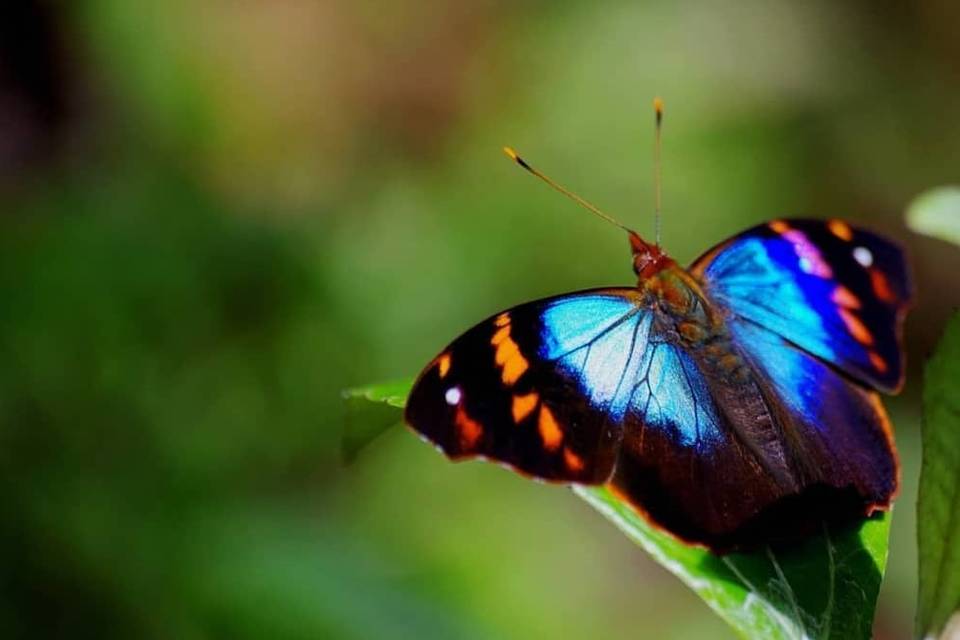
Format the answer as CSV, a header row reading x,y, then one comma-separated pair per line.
x,y
733,403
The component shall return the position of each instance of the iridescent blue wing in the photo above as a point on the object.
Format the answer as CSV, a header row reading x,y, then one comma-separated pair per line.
x,y
598,387
836,291
540,387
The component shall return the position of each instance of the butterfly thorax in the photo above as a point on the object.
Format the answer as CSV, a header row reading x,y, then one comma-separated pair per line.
x,y
687,316
675,293
672,290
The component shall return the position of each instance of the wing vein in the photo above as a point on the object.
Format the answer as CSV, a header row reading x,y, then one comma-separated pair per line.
x,y
597,337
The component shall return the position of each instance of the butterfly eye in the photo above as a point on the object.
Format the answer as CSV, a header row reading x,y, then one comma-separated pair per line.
x,y
863,256
453,396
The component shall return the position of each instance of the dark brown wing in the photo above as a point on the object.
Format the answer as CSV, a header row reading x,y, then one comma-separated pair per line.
x,y
799,443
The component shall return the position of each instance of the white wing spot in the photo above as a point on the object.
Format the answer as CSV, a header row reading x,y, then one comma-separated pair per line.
x,y
863,256
453,395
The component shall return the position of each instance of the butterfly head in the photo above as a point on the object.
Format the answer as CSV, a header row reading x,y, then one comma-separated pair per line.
x,y
648,259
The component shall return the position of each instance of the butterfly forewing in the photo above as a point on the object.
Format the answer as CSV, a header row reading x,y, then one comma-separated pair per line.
x,y
538,387
836,291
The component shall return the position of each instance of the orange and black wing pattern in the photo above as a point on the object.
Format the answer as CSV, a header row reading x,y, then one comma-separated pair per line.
x,y
534,387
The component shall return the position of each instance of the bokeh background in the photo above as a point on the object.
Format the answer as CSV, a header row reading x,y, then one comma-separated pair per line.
x,y
215,215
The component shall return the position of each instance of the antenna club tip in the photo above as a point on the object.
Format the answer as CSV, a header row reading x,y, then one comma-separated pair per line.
x,y
510,153
658,107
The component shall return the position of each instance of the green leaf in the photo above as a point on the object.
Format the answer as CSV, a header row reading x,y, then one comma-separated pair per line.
x,y
938,507
369,412
937,213
825,587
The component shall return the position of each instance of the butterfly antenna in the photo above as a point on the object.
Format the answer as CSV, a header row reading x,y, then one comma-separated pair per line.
x,y
658,115
583,203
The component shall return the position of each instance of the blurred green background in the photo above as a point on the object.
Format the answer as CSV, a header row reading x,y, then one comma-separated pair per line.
x,y
218,214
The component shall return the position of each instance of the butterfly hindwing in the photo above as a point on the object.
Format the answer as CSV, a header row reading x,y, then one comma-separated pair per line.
x,y
836,291
751,445
847,437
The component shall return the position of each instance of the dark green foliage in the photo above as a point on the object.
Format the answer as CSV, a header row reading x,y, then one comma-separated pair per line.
x,y
159,447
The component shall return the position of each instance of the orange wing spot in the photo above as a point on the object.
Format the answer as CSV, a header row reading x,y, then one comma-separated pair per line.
x,y
443,364
856,327
878,362
573,462
881,286
779,226
840,229
469,429
845,298
512,361
550,431
523,405
502,320
508,355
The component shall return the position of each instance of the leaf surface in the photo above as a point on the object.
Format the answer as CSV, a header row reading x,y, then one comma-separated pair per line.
x,y
369,411
938,507
937,213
